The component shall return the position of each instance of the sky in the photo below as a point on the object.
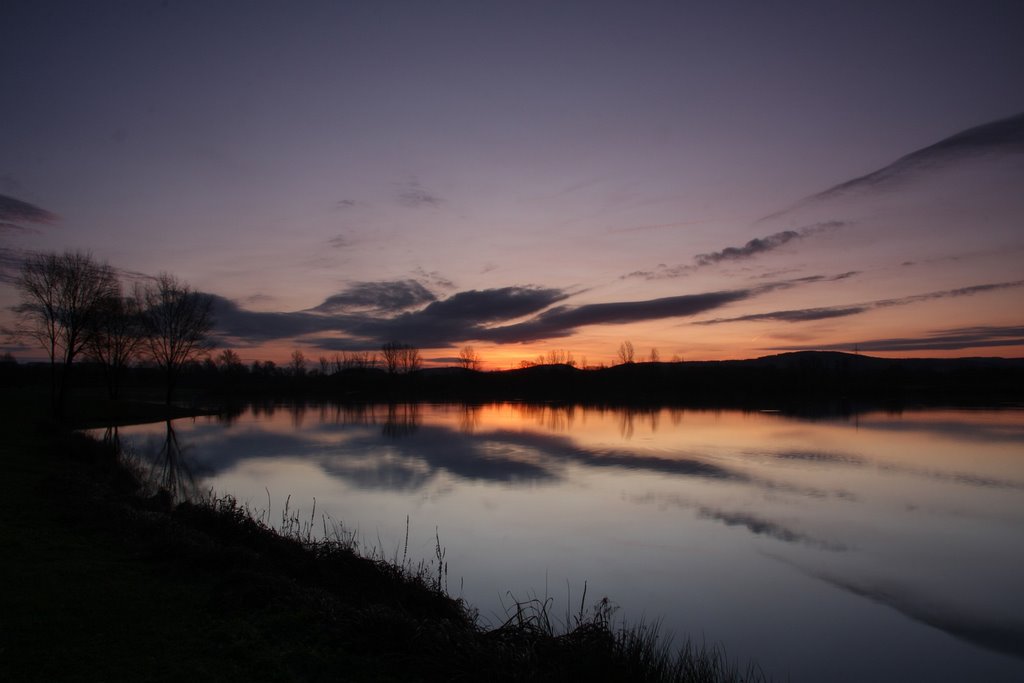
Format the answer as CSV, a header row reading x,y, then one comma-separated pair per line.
x,y
713,180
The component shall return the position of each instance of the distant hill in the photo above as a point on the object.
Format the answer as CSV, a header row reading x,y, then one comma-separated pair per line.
x,y
802,377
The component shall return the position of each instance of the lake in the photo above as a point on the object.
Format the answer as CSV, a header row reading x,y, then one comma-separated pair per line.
x,y
880,546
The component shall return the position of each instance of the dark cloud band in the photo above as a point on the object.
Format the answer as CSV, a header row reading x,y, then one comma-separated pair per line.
x,y
16,211
806,314
955,339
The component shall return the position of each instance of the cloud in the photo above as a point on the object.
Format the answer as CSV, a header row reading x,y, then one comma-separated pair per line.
x,y
371,313
791,316
13,212
343,204
998,137
754,247
462,316
10,263
434,278
941,340
339,242
230,320
806,314
564,320
378,297
809,279
368,314
21,229
411,194
259,298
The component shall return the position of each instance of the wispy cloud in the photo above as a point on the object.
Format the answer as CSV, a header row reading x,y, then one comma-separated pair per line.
x,y
754,247
10,263
998,137
14,212
822,313
564,320
464,315
433,277
411,194
377,297
940,340
235,323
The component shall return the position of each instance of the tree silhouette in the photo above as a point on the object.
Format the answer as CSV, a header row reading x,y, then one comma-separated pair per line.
x,y
625,354
62,296
297,364
400,358
177,322
229,361
116,338
469,358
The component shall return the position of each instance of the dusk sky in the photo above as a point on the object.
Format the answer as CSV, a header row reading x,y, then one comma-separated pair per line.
x,y
715,180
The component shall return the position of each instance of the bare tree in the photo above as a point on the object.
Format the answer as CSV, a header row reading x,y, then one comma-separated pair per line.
x,y
469,358
62,295
400,358
391,352
297,364
625,354
655,355
558,356
411,360
229,361
177,321
116,338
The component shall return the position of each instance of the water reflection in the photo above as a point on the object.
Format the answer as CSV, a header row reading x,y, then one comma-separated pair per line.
x,y
470,419
759,526
882,528
161,461
402,420
174,475
1003,635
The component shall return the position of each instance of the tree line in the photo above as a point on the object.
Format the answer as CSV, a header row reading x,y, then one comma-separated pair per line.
x,y
73,306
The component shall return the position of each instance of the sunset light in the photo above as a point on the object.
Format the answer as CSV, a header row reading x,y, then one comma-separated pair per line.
x,y
709,185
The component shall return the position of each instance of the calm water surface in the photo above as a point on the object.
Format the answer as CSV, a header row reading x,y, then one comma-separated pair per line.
x,y
884,547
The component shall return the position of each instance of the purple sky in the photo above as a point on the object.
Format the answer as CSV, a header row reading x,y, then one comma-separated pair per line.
x,y
526,176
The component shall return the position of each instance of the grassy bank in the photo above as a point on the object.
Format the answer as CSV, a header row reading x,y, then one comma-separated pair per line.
x,y
101,581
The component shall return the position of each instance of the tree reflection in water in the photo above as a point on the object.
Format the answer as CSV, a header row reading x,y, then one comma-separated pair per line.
x,y
170,472
403,420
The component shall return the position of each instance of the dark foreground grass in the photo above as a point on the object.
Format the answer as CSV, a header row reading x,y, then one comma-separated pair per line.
x,y
101,582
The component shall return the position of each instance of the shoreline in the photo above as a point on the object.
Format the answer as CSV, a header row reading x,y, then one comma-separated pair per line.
x,y
300,608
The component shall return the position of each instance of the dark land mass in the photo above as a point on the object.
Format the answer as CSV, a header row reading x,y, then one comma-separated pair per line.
x,y
800,381
104,580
